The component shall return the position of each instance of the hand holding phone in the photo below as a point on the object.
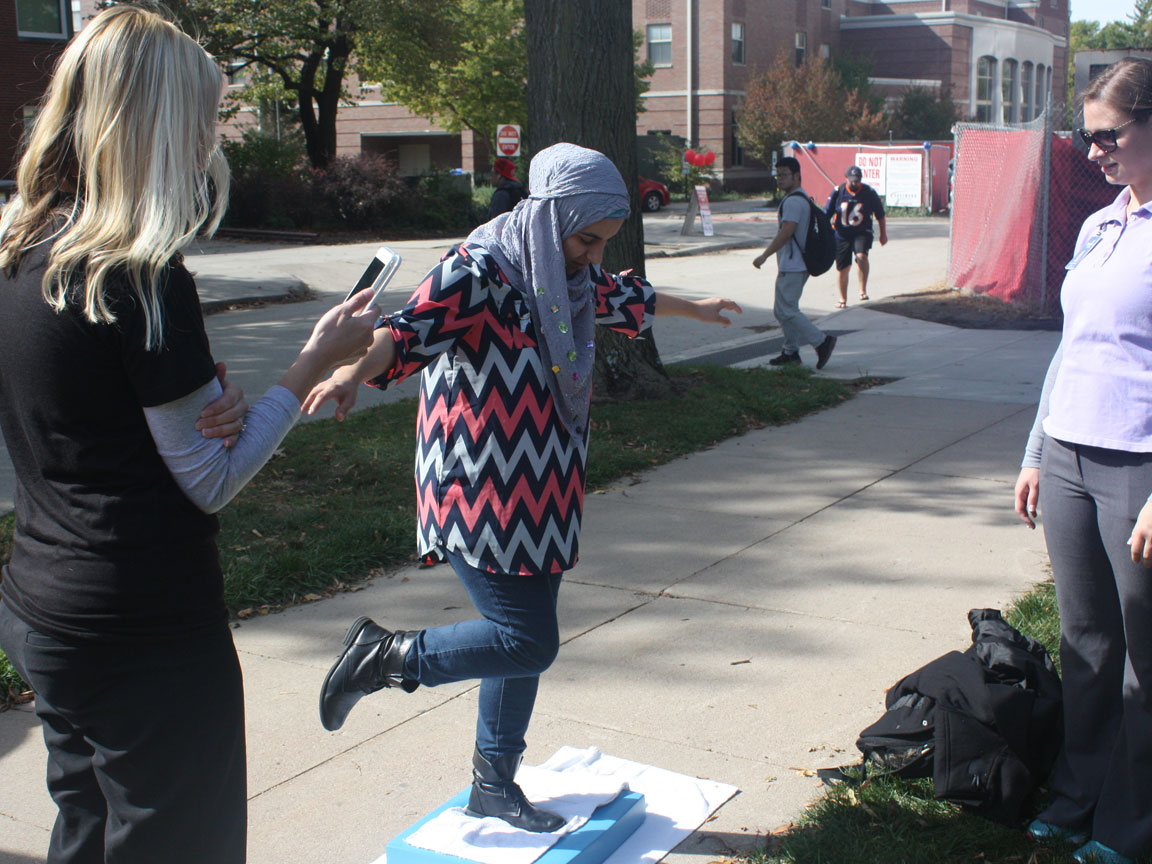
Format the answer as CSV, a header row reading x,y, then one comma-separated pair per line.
x,y
378,273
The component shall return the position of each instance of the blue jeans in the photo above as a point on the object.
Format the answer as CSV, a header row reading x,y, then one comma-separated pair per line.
x,y
507,649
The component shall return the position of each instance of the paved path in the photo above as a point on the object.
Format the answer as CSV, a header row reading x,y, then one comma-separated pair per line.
x,y
736,614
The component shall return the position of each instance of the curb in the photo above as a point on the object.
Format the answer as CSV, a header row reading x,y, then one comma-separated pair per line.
x,y
296,293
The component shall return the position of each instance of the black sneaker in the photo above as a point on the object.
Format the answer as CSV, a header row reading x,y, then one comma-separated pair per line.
x,y
824,351
786,358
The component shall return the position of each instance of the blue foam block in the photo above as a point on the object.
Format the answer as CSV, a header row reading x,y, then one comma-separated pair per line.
x,y
609,826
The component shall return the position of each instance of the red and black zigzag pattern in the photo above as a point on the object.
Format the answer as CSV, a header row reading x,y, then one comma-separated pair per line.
x,y
498,478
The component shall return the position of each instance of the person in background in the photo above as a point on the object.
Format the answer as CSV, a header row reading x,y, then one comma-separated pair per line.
x,y
509,191
851,207
1088,465
793,217
504,331
112,605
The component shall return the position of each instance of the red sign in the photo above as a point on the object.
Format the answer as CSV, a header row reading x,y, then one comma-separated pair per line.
x,y
508,140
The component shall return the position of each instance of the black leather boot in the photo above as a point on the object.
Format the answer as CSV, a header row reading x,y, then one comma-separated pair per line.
x,y
373,658
495,793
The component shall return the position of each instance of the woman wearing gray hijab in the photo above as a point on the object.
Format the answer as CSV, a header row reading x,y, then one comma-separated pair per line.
x,y
503,330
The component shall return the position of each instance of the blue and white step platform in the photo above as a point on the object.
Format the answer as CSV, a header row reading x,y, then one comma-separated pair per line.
x,y
617,812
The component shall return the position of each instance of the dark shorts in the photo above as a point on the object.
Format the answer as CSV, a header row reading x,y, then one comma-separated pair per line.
x,y
845,248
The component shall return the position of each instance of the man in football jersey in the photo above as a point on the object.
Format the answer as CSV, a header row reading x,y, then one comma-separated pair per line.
x,y
851,207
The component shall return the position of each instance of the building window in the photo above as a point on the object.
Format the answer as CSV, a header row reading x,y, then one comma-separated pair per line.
x,y
660,44
234,73
1010,91
1041,102
825,4
801,47
1094,70
1048,82
985,84
29,112
737,43
1026,91
42,18
825,51
737,157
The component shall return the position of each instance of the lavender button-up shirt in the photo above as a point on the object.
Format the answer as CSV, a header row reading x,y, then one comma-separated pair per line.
x,y
1102,395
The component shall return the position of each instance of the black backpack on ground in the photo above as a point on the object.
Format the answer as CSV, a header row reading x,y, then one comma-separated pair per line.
x,y
819,250
985,724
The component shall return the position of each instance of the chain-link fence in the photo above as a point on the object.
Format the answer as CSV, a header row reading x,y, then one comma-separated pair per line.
x,y
1019,196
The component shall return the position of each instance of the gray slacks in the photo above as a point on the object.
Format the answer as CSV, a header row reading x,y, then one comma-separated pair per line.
x,y
1090,498
798,330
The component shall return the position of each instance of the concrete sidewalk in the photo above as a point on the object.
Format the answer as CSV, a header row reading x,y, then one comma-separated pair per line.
x,y
736,614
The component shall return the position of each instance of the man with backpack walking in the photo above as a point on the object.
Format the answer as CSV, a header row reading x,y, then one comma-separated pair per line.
x,y
795,217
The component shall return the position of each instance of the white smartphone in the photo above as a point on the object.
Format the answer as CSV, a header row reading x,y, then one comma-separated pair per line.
x,y
377,274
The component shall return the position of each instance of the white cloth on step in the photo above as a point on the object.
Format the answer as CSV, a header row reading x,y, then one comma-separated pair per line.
x,y
573,782
571,795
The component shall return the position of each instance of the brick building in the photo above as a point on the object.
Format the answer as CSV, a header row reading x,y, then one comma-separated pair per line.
x,y
32,34
998,58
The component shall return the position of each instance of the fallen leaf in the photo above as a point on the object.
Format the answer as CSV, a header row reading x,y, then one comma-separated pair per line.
x,y
312,597
739,662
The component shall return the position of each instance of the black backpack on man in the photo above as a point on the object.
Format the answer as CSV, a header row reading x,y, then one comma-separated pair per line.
x,y
819,250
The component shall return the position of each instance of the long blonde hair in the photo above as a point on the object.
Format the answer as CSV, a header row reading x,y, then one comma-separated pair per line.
x,y
121,168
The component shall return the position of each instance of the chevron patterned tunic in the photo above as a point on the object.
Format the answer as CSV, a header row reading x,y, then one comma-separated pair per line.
x,y
499,479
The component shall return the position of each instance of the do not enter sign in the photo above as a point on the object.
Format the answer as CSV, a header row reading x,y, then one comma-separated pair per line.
x,y
508,140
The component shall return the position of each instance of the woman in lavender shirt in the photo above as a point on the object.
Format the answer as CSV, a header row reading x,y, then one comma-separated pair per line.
x,y
1089,466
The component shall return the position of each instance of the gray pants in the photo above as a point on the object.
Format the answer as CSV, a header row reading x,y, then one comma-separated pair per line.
x,y
798,330
1102,782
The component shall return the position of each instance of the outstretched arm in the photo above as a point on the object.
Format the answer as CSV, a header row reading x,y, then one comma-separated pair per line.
x,y
707,310
787,229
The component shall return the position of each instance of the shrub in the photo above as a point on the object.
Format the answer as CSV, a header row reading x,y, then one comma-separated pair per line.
x,y
446,200
358,192
270,187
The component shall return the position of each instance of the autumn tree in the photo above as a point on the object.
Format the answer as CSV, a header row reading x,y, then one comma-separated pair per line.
x,y
804,103
589,98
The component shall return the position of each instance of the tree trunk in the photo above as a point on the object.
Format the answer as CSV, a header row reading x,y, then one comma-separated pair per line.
x,y
581,88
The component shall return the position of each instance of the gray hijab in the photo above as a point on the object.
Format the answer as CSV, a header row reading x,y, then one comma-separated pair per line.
x,y
571,187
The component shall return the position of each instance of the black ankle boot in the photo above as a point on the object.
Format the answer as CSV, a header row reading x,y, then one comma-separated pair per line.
x,y
495,793
373,658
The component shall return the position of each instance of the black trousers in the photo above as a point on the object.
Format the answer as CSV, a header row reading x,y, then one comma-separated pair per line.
x,y
146,759
1102,782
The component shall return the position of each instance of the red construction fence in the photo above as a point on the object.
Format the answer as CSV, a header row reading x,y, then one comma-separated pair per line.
x,y
905,175
1020,195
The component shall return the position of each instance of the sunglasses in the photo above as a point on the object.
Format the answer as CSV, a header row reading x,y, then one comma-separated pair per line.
x,y
1105,139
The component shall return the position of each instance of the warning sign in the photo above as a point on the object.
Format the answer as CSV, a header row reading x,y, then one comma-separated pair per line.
x,y
508,140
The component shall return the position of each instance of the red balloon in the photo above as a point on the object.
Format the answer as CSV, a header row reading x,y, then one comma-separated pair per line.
x,y
709,158
699,161
690,157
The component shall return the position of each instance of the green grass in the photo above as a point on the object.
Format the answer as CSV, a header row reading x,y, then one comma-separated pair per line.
x,y
9,680
340,502
337,503
887,820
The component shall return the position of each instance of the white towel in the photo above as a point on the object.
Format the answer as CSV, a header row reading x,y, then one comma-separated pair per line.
x,y
573,783
676,804
574,795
